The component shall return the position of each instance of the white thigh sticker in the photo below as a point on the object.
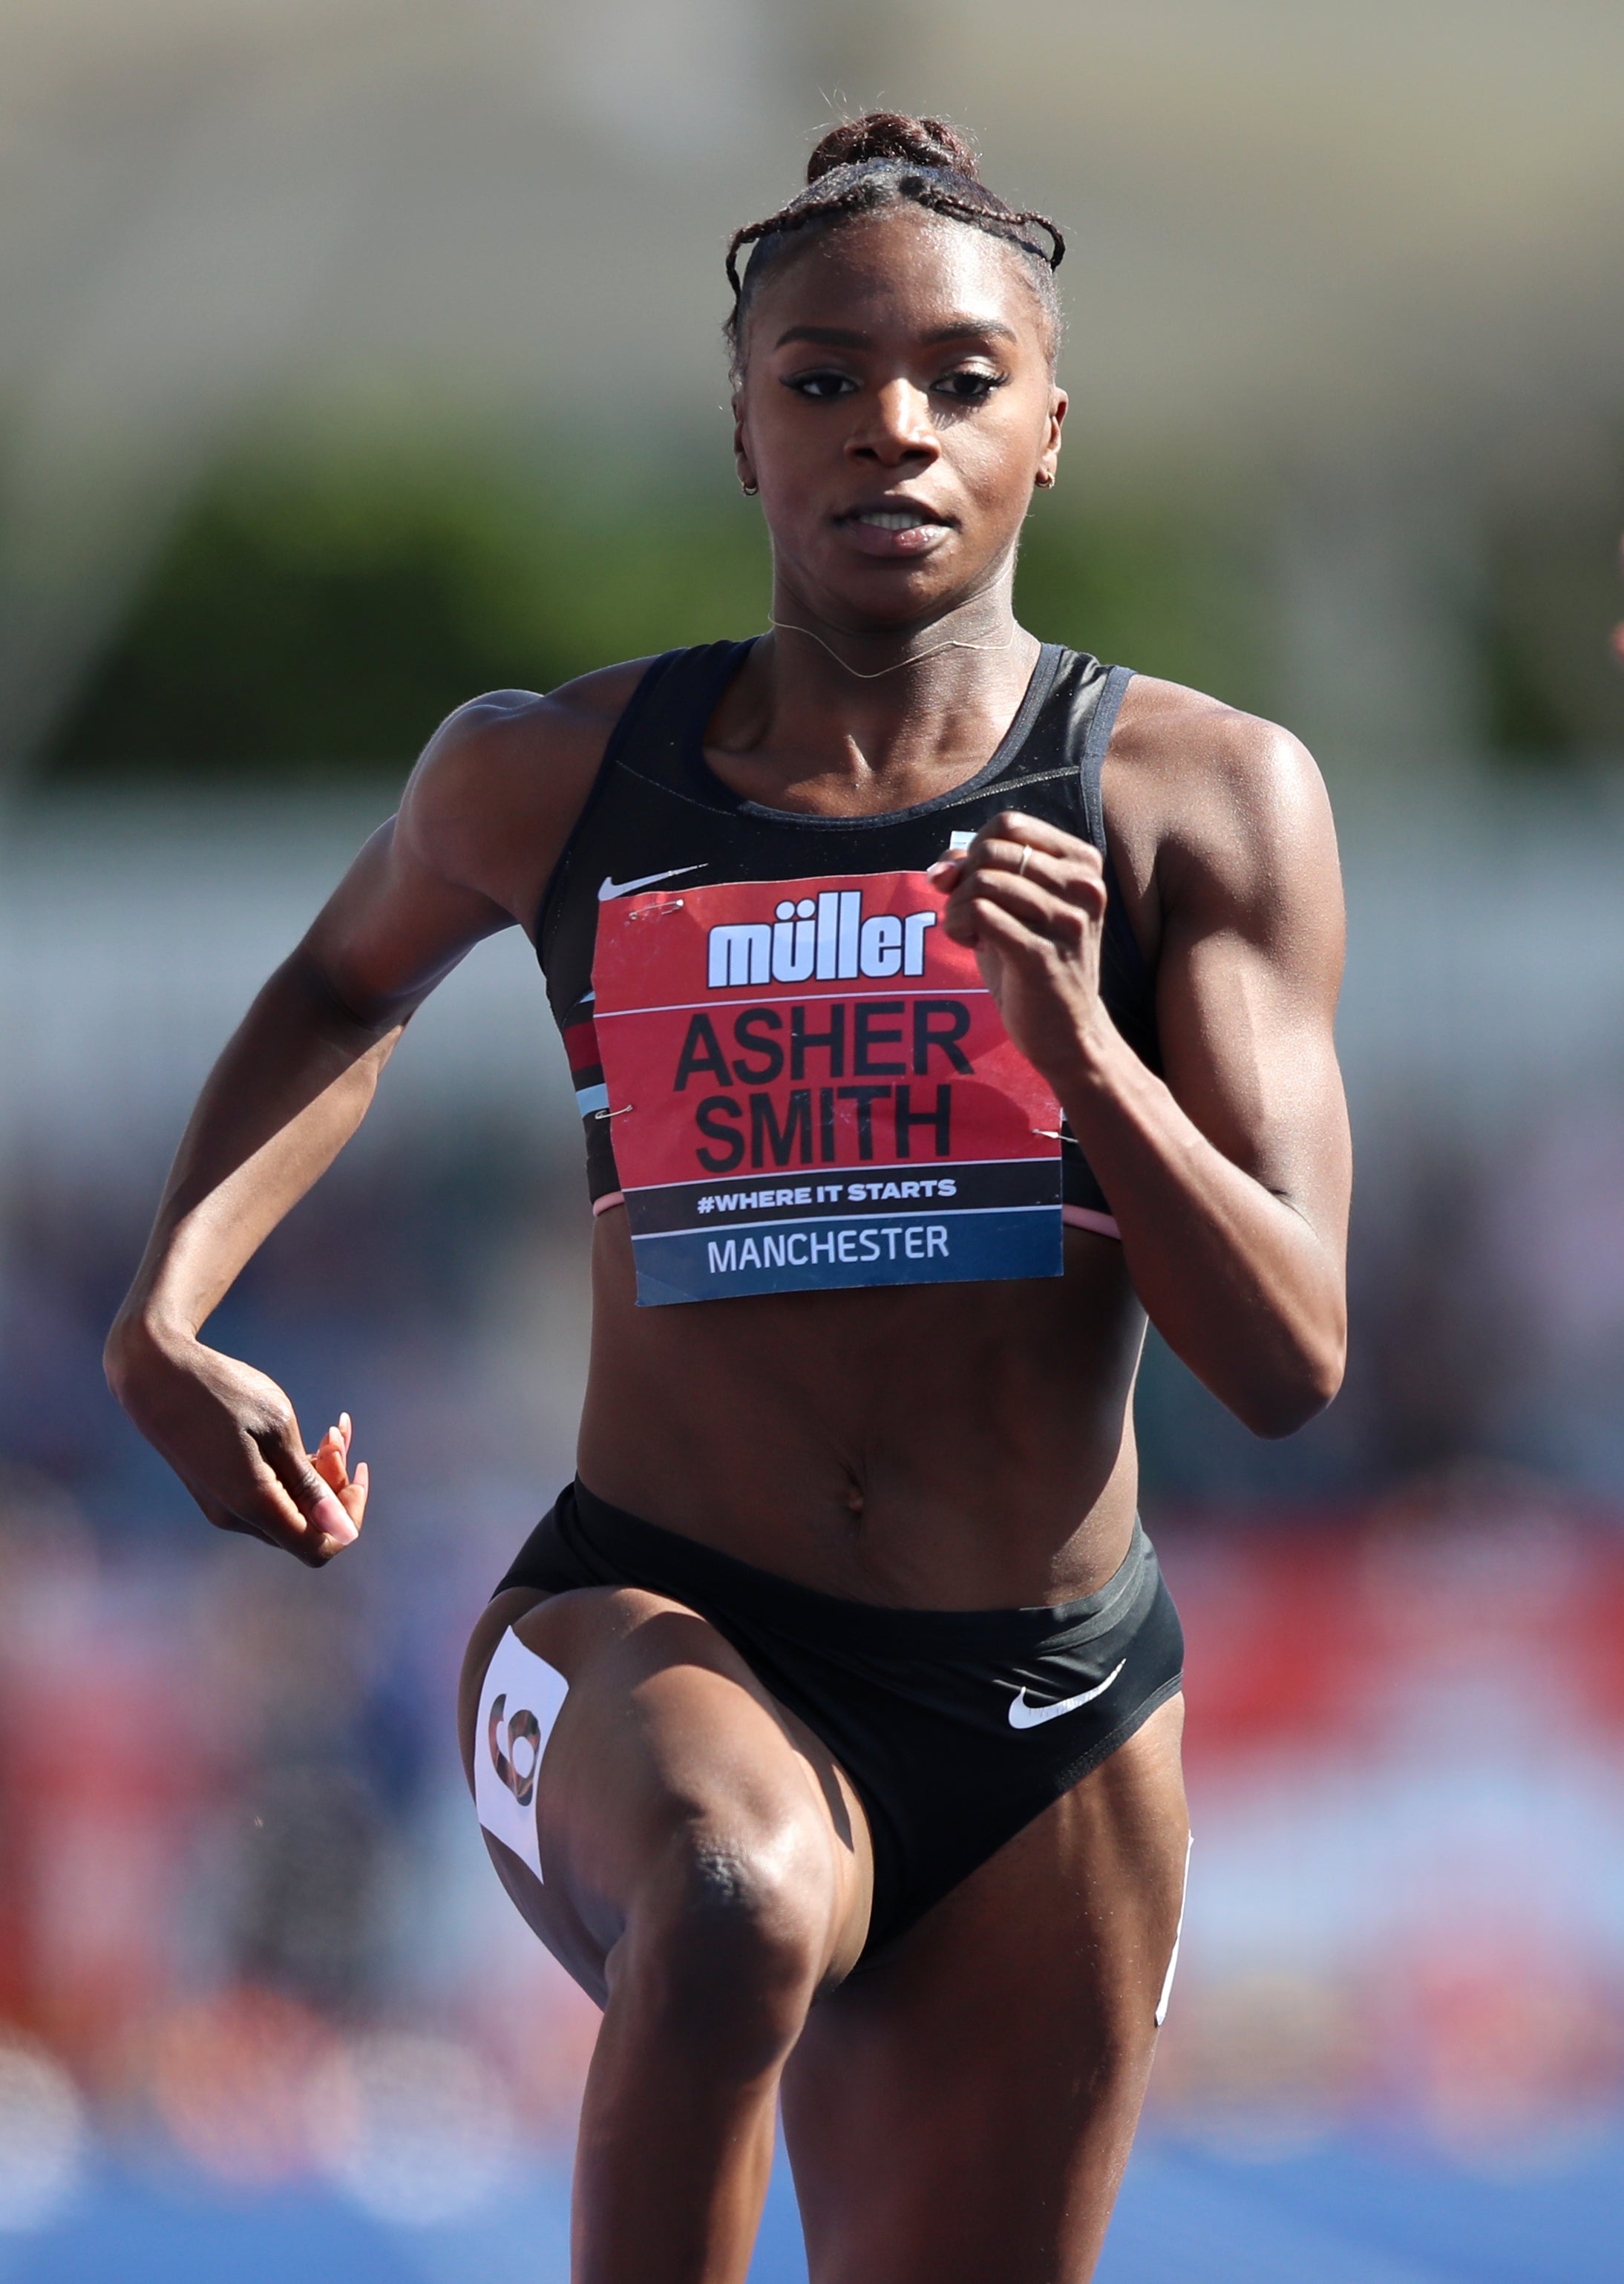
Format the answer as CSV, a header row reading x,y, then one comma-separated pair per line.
x,y
1178,1936
518,1706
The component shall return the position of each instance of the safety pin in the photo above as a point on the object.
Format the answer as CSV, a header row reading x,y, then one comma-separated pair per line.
x,y
653,911
621,1112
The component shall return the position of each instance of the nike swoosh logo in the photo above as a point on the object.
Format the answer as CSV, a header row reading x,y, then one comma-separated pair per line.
x,y
1023,1715
606,888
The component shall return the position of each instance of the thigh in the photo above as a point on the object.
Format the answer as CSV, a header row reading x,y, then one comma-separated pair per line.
x,y
667,1752
960,2110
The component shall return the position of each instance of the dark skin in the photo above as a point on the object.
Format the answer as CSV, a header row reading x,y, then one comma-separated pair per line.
x,y
961,2110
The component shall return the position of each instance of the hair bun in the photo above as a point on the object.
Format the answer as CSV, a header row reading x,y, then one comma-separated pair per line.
x,y
893,135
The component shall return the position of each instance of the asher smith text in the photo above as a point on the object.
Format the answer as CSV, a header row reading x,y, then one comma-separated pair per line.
x,y
866,1042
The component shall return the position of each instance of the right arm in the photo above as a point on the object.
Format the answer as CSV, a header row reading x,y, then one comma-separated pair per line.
x,y
483,820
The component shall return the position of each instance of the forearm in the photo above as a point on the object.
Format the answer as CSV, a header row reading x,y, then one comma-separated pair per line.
x,y
1237,1280
291,1088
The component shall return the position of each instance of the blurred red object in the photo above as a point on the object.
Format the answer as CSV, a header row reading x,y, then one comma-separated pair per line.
x,y
234,2079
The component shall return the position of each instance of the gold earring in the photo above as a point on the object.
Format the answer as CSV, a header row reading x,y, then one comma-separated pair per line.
x,y
749,489
1045,481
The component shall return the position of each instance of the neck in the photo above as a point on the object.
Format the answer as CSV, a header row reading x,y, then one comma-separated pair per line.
x,y
912,658
983,622
826,703
889,679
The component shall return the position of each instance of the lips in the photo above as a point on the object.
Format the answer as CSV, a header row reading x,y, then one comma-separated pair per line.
x,y
895,528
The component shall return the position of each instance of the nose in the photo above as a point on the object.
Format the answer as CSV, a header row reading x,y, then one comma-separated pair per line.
x,y
896,428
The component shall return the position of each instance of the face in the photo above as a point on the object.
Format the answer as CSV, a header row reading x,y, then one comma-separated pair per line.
x,y
896,409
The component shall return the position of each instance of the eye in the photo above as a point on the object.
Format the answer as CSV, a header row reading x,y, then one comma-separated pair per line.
x,y
970,384
822,388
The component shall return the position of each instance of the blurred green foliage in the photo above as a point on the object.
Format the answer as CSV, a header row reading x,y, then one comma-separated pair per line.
x,y
1552,694
316,613
1174,587
314,616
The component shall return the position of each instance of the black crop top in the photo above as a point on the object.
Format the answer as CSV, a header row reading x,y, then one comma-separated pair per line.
x,y
658,814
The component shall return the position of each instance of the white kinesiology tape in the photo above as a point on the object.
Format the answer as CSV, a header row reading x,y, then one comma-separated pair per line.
x,y
1178,1936
519,1704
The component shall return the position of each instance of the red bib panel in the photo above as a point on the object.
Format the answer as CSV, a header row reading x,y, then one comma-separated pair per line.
x,y
811,1086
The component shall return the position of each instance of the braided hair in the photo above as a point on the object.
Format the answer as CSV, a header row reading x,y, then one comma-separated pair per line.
x,y
887,158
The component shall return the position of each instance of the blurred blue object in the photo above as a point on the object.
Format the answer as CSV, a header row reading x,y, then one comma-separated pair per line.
x,y
133,2228
135,2231
1348,2213
780,2254
1358,2213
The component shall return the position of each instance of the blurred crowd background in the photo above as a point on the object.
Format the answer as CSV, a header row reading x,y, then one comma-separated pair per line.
x,y
360,354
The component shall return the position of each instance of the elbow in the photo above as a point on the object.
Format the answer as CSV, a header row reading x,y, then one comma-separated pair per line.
x,y
1298,1391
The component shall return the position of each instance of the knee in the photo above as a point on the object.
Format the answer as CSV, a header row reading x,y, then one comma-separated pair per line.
x,y
732,1933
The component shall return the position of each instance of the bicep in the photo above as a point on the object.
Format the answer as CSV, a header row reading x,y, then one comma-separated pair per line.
x,y
393,926
1246,991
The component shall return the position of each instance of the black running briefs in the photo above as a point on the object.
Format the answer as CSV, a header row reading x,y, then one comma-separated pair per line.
x,y
956,1728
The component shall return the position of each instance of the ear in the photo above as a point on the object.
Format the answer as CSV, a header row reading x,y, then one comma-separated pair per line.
x,y
1050,456
742,461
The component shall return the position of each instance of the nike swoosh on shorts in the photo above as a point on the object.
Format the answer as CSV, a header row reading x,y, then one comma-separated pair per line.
x,y
606,888
1023,1715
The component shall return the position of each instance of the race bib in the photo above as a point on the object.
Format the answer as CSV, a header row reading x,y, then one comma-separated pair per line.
x,y
811,1086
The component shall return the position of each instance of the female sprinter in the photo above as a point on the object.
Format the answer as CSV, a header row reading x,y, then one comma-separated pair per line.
x,y
940,1004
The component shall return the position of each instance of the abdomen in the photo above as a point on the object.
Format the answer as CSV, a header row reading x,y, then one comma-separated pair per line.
x,y
942,1446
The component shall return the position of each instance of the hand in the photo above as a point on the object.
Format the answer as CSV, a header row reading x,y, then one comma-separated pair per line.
x,y
1030,900
230,1435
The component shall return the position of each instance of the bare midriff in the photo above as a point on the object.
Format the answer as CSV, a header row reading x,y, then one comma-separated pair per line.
x,y
951,1447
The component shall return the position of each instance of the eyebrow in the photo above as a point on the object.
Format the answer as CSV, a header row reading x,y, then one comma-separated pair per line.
x,y
843,336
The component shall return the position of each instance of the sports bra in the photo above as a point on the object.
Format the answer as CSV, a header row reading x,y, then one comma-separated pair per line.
x,y
659,817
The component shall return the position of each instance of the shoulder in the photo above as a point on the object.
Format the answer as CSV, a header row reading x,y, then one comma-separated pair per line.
x,y
1218,806
502,782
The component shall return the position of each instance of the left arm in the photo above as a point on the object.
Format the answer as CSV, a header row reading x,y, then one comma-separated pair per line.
x,y
1229,1178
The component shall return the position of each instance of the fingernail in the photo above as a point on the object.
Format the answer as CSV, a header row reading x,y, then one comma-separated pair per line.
x,y
330,1517
364,1473
344,1424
